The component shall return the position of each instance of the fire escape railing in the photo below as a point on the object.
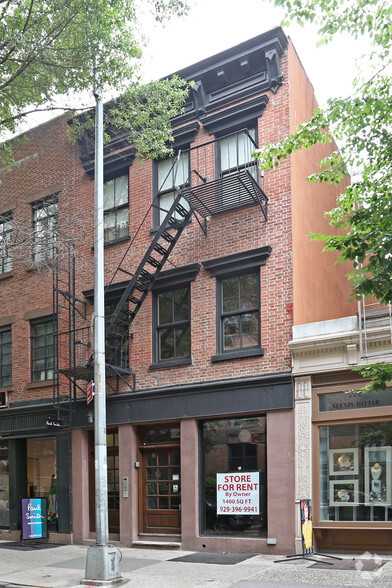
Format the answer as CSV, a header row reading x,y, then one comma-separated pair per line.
x,y
204,193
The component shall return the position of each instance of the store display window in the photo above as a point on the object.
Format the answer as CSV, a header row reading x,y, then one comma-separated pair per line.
x,y
356,472
235,477
4,485
41,472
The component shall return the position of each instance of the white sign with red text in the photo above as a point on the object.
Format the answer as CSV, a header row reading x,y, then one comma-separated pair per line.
x,y
238,493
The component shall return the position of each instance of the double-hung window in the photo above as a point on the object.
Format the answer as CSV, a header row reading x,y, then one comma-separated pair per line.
x,y
5,357
236,153
173,325
239,310
45,228
43,351
116,209
5,243
117,341
172,172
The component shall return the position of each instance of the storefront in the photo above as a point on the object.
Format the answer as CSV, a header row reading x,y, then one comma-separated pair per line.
x,y
352,458
182,474
34,463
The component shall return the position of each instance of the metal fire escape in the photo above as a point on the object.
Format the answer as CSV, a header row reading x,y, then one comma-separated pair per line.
x,y
375,328
200,194
68,349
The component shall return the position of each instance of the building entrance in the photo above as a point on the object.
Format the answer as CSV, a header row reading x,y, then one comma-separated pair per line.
x,y
160,480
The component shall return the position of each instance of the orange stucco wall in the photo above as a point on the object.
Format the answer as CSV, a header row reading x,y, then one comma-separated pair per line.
x,y
321,289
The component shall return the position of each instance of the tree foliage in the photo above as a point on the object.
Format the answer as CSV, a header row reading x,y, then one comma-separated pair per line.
x,y
362,126
57,47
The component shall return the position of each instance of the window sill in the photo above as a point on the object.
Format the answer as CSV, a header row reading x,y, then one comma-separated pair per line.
x,y
238,354
170,363
6,275
42,384
39,266
115,241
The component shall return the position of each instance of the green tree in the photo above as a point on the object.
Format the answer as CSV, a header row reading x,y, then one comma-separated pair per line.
x,y
62,47
362,125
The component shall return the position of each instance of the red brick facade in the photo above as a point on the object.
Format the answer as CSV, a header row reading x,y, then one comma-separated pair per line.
x,y
46,163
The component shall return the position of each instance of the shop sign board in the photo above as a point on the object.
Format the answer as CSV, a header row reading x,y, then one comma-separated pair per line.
x,y
52,423
238,493
34,519
306,526
354,400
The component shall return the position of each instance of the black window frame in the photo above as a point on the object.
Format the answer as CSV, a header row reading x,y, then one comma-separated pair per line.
x,y
47,320
122,356
4,383
172,361
48,249
115,209
171,280
252,163
242,263
158,193
6,236
222,315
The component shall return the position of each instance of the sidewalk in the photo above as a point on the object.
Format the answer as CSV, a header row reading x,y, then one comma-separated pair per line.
x,y
64,567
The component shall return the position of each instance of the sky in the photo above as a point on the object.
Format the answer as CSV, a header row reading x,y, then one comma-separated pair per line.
x,y
215,25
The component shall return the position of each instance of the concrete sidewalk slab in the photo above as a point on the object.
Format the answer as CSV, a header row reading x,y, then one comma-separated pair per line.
x,y
150,568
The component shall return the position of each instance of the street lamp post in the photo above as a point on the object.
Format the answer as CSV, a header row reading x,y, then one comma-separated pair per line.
x,y
102,565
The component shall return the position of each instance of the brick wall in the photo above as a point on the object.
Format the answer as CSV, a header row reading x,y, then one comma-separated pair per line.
x,y
46,159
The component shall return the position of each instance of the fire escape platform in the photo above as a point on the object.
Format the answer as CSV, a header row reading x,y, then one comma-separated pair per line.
x,y
86,372
226,193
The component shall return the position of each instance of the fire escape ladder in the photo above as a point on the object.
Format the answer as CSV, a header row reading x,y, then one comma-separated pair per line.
x,y
66,308
143,279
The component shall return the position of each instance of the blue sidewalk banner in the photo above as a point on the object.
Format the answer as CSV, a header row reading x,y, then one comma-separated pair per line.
x,y
34,519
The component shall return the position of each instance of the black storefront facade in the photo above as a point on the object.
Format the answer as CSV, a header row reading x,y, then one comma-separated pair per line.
x,y
165,449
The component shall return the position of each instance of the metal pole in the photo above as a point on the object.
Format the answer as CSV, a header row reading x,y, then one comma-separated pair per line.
x,y
101,491
102,559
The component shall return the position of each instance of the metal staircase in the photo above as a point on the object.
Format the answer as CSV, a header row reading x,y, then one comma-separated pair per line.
x,y
203,195
67,307
143,279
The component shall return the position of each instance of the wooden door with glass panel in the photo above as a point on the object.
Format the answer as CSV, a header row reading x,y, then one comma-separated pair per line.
x,y
113,481
160,480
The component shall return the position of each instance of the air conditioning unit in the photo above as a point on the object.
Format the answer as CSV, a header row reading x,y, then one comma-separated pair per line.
x,y
4,399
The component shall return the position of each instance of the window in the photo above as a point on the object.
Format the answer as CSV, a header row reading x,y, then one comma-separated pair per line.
x,y
171,173
116,209
239,310
4,485
238,302
113,470
45,226
5,357
356,472
5,243
236,153
43,359
117,344
235,447
242,456
173,325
